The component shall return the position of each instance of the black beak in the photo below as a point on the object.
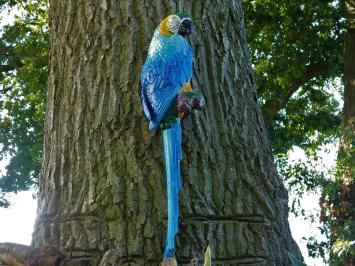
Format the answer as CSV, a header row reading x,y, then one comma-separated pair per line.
x,y
186,27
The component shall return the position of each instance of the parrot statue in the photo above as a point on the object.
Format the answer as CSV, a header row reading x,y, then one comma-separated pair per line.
x,y
167,97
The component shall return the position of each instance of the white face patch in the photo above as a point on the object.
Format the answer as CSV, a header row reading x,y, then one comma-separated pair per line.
x,y
174,24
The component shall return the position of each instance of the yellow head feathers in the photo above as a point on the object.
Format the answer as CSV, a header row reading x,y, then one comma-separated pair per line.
x,y
170,25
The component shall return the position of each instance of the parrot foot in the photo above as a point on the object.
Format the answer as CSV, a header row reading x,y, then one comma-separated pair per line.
x,y
187,102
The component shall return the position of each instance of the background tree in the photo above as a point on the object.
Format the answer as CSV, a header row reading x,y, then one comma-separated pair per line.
x,y
298,57
102,183
297,53
338,200
23,86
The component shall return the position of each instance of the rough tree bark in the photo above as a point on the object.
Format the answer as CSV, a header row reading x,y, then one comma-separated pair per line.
x,y
102,184
347,143
349,67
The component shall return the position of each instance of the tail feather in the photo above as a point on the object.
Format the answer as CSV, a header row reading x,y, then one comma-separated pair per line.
x,y
172,138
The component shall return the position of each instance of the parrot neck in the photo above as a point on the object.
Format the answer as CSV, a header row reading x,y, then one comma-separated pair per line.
x,y
163,27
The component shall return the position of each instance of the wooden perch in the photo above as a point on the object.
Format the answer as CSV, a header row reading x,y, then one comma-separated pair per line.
x,y
12,254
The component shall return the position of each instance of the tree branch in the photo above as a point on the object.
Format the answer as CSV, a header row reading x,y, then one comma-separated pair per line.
x,y
273,106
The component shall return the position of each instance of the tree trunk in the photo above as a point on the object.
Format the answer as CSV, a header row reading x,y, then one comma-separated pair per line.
x,y
349,68
102,184
347,143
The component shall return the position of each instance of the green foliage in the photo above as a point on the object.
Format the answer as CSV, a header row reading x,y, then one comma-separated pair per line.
x,y
337,212
309,127
23,84
337,209
317,248
301,177
297,51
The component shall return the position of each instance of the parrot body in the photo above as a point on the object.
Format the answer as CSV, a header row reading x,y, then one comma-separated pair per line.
x,y
165,75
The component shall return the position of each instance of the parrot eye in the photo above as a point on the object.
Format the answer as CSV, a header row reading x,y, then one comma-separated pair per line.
x,y
174,24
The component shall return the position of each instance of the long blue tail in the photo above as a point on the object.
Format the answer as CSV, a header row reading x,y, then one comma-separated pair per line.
x,y
172,138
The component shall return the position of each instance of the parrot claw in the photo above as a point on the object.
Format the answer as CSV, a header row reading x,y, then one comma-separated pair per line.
x,y
189,101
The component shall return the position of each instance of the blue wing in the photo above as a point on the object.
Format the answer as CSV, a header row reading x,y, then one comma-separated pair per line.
x,y
167,68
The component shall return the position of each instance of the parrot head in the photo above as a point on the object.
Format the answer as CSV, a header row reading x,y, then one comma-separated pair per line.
x,y
176,24
186,25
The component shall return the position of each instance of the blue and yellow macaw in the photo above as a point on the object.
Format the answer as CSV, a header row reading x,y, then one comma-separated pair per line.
x,y
167,97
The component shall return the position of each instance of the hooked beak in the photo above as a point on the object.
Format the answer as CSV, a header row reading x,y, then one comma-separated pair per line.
x,y
186,27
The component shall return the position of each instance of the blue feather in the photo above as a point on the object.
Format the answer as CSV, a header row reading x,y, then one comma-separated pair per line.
x,y
172,138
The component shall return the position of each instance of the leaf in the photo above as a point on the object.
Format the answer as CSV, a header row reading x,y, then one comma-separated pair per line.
x,y
208,260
